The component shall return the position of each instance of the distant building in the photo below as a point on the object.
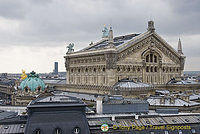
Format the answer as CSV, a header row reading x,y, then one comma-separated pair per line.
x,y
124,86
182,103
147,57
29,89
55,71
66,115
62,115
32,83
49,115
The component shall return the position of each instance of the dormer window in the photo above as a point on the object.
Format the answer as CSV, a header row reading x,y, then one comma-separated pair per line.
x,y
58,131
76,130
37,131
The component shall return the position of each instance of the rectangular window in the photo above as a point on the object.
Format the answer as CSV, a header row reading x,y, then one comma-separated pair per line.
x,y
151,57
151,69
147,58
147,69
155,58
155,69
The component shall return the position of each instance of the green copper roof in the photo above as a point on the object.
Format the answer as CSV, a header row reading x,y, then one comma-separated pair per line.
x,y
32,82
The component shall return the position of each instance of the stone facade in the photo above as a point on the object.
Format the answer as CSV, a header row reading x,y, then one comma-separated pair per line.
x,y
145,57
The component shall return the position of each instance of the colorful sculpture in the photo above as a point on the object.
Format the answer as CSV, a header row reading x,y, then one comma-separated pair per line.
x,y
105,32
23,76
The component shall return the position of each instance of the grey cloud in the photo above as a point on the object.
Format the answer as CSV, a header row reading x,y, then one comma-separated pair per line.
x,y
13,9
44,24
78,20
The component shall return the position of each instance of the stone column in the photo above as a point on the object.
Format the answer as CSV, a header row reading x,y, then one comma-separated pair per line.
x,y
111,76
111,68
67,77
99,105
67,69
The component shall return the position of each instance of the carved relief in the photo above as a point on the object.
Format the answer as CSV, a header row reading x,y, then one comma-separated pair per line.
x,y
67,62
110,60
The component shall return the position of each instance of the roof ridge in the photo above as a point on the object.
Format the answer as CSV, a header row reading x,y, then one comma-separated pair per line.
x,y
136,34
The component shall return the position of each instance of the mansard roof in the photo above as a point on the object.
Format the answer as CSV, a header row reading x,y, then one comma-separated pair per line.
x,y
120,43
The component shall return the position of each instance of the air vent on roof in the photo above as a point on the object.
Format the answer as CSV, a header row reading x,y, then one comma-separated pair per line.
x,y
22,126
174,121
147,122
6,127
187,120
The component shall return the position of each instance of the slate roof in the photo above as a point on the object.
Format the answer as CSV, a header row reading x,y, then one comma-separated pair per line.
x,y
52,112
6,114
56,101
178,102
12,129
54,81
118,41
124,101
176,120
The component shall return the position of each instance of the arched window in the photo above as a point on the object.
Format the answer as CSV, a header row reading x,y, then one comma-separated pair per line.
x,y
152,58
163,69
39,88
26,89
94,69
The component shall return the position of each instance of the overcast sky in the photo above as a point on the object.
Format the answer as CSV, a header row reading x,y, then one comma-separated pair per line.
x,y
35,33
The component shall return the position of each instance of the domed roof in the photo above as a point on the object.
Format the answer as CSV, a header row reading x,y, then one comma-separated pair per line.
x,y
32,82
125,83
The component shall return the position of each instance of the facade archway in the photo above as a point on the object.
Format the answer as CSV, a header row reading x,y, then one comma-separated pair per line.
x,y
152,61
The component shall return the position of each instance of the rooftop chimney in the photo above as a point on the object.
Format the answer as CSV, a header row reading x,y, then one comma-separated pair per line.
x,y
99,105
136,117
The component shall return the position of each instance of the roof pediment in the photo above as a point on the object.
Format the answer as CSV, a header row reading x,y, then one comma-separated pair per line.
x,y
147,39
